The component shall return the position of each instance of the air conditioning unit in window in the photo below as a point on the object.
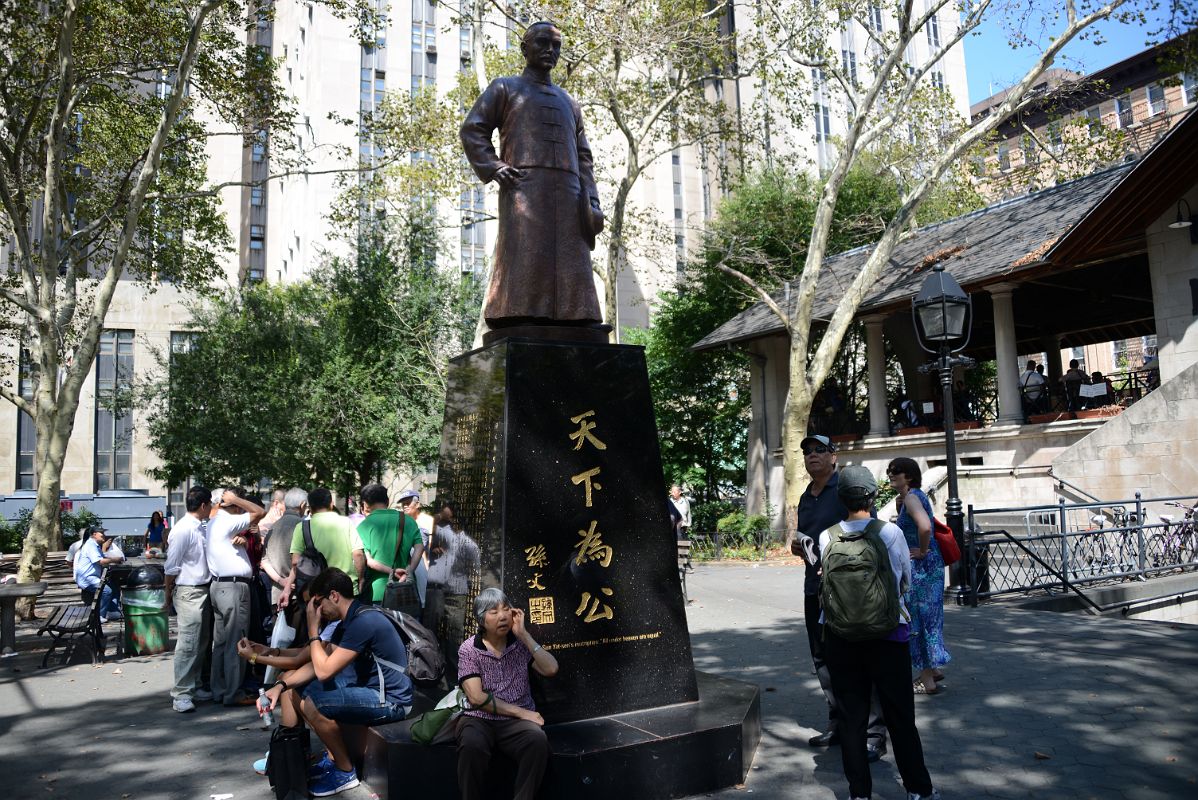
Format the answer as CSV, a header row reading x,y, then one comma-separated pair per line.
x,y
430,48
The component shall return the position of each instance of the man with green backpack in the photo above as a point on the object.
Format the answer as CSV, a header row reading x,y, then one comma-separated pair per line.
x,y
866,567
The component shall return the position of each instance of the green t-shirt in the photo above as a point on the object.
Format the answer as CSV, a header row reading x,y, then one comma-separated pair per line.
x,y
378,533
335,538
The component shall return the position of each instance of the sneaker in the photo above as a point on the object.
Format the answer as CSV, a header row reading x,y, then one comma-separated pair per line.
x,y
333,782
935,795
183,704
260,764
203,695
322,765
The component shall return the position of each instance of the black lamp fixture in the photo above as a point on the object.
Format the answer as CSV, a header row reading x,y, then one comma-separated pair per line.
x,y
943,315
1185,220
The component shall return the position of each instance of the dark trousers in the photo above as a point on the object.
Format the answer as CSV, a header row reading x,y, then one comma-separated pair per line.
x,y
858,670
877,721
520,740
445,616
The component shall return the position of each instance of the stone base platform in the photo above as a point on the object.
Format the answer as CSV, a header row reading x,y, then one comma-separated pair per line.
x,y
655,754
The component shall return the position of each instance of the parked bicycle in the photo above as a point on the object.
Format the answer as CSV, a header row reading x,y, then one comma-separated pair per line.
x,y
1173,545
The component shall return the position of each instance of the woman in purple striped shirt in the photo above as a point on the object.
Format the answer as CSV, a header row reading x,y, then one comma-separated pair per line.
x,y
493,673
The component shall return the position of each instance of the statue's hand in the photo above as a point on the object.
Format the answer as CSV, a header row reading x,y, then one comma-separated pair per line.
x,y
508,176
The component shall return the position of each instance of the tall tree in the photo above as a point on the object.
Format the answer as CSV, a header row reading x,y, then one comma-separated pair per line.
x,y
107,106
761,229
886,101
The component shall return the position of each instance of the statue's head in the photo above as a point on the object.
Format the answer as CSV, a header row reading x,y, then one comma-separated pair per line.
x,y
541,45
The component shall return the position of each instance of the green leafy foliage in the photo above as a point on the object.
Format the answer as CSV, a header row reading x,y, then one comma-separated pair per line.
x,y
329,381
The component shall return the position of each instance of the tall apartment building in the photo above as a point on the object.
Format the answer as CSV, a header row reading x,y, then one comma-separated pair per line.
x,y
281,229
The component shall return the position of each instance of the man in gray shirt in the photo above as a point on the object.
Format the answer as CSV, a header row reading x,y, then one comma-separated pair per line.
x,y
276,560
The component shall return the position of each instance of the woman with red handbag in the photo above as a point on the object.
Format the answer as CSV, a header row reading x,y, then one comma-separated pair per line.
x,y
925,599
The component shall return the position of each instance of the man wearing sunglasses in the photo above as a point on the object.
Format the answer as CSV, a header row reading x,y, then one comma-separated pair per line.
x,y
820,508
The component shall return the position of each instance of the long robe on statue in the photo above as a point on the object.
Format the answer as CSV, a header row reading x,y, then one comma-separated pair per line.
x,y
542,263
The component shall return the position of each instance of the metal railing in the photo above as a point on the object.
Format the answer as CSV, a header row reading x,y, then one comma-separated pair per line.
x,y
1070,545
716,545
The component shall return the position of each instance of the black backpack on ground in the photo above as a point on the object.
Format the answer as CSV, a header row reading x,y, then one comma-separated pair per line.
x,y
426,663
287,762
311,562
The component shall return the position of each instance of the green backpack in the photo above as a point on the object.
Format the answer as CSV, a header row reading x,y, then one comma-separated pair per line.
x,y
858,592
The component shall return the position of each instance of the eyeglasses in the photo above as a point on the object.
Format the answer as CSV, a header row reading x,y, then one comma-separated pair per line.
x,y
819,448
890,473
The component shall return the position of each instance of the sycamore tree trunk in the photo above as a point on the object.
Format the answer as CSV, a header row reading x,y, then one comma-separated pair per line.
x,y
796,411
617,249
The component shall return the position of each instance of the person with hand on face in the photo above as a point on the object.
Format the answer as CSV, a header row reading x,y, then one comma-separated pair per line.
x,y
232,571
359,679
90,562
493,673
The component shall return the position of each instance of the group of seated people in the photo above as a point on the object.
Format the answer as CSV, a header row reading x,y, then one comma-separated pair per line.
x,y
1037,398
349,668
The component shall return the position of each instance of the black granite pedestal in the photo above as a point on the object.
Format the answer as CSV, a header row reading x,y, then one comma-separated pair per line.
x,y
549,453
654,754
550,457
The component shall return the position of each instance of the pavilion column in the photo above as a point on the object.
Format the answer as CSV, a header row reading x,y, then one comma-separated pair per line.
x,y
875,359
1010,406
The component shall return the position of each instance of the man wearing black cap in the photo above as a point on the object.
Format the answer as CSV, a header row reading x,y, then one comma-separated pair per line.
x,y
90,564
820,508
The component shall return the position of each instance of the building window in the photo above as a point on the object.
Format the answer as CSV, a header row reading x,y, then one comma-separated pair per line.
x,y
938,80
1156,99
259,147
1055,137
1189,87
257,196
114,419
875,17
1004,156
933,29
849,62
823,135
424,44
1123,110
1094,121
1031,153
26,432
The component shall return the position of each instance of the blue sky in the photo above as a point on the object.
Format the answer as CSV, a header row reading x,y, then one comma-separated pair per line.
x,y
991,64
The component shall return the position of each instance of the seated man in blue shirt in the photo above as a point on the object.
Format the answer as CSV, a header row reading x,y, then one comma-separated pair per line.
x,y
89,565
326,695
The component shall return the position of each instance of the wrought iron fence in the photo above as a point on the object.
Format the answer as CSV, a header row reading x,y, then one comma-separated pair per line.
x,y
1059,548
717,546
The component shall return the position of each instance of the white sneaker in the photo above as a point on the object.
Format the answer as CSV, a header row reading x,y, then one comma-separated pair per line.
x,y
183,704
935,795
203,695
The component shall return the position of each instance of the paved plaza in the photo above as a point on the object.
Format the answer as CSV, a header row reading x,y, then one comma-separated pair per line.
x,y
1039,705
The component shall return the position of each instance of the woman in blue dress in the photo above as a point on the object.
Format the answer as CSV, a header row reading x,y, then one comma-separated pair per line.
x,y
925,599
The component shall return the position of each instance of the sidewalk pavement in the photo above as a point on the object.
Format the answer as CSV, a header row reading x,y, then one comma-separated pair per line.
x,y
1039,705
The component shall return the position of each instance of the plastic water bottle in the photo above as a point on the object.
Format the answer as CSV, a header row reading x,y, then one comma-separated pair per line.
x,y
268,717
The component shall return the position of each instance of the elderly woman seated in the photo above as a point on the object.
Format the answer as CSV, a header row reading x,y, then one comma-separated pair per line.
x,y
493,673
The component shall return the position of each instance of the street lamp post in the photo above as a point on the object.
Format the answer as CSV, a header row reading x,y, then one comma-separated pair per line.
x,y
943,314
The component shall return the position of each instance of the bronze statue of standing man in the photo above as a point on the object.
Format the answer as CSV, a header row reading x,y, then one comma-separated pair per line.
x,y
548,207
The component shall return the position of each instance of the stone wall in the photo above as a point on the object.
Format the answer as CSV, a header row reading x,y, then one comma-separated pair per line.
x,y
1151,448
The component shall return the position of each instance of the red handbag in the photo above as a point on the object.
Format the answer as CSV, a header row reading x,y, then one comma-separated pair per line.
x,y
949,550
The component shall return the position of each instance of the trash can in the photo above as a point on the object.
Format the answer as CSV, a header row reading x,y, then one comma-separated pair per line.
x,y
143,604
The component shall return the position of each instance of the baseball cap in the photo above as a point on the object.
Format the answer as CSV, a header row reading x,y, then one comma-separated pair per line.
x,y
817,438
407,494
856,482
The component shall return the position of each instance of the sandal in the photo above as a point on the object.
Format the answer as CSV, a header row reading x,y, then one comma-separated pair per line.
x,y
919,688
939,676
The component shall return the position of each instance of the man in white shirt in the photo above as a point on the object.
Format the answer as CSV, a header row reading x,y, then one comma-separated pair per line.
x,y
1035,390
232,573
684,510
187,579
